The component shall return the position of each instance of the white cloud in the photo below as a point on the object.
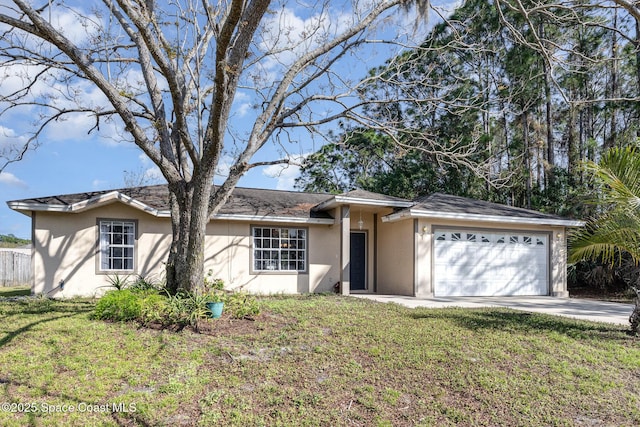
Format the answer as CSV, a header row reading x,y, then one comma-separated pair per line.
x,y
242,104
70,127
243,109
286,174
77,25
224,165
16,76
10,141
153,175
288,36
53,87
241,97
49,89
145,160
147,174
12,180
99,184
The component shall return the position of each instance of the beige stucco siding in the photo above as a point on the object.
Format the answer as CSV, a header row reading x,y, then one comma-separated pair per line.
x,y
399,254
396,257
559,262
229,257
66,249
324,257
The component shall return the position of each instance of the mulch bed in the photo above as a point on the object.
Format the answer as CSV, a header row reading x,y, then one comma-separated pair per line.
x,y
225,325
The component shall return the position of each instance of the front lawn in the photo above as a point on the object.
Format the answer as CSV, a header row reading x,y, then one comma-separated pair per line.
x,y
316,360
14,291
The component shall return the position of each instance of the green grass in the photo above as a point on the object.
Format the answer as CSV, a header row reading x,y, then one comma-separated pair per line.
x,y
318,360
15,291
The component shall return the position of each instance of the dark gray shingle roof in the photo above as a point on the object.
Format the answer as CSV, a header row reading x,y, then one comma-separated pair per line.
x,y
243,201
270,203
446,203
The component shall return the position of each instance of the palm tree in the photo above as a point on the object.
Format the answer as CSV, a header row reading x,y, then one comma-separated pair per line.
x,y
616,230
614,235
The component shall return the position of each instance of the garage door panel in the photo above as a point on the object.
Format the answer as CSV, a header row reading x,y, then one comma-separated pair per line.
x,y
484,251
481,263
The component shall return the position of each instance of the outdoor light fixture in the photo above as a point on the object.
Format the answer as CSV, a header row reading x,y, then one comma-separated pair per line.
x,y
360,222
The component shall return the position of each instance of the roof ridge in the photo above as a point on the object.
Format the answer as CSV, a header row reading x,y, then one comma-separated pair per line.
x,y
93,193
373,192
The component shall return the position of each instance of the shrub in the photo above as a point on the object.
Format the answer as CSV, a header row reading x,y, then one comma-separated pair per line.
x,y
211,284
212,289
154,309
240,305
187,308
143,303
119,305
118,282
142,283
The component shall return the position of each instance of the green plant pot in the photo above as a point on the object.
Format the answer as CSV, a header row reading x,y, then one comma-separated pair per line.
x,y
215,308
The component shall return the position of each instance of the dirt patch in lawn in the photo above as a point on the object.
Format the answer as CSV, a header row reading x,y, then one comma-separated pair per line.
x,y
227,325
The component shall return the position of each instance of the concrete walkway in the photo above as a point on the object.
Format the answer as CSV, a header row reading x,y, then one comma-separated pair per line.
x,y
585,309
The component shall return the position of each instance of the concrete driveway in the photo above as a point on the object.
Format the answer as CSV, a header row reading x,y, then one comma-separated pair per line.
x,y
585,309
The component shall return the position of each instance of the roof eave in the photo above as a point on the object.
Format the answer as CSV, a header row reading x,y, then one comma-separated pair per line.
x,y
278,219
93,202
421,213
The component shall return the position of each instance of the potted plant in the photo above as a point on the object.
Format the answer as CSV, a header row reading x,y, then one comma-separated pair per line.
x,y
213,289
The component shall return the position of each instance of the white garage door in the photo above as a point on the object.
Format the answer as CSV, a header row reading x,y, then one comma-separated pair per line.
x,y
480,263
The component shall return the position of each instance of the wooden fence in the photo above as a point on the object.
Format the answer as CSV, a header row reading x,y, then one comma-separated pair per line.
x,y
15,269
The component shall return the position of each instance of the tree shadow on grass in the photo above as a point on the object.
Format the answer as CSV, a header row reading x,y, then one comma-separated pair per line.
x,y
40,307
503,319
43,311
14,292
13,334
46,396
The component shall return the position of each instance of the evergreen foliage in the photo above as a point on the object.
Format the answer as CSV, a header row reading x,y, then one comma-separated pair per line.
x,y
524,124
12,241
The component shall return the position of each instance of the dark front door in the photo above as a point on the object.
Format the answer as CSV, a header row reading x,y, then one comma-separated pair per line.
x,y
358,263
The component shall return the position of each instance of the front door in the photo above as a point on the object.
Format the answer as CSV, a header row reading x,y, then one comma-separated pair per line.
x,y
358,263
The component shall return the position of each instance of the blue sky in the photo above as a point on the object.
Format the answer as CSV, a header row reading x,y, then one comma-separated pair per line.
x,y
71,160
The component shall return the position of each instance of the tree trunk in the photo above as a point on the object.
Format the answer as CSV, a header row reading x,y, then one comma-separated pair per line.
x,y
613,133
185,269
550,154
573,148
551,161
181,199
527,158
171,276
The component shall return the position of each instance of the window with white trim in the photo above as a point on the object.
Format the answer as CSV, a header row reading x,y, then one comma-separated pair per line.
x,y
117,245
279,249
